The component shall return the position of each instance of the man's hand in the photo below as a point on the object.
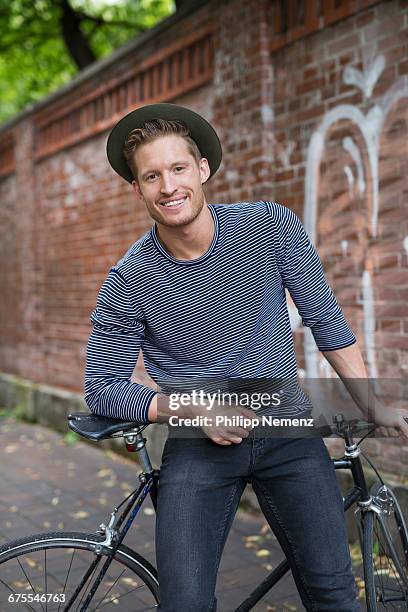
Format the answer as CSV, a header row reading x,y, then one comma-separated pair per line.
x,y
392,422
227,434
349,365
223,433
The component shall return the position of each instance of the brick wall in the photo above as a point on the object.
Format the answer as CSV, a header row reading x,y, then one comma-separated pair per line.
x,y
316,120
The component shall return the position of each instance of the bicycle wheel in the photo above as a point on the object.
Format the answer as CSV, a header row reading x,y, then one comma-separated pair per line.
x,y
385,553
54,564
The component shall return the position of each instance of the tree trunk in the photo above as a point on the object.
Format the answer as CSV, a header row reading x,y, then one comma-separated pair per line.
x,y
74,39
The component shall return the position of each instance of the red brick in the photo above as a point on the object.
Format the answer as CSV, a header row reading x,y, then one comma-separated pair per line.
x,y
311,113
348,58
311,73
403,67
403,294
386,262
347,42
388,43
365,18
310,85
284,176
390,325
386,340
383,311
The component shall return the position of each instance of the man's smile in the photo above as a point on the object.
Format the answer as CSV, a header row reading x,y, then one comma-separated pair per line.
x,y
174,203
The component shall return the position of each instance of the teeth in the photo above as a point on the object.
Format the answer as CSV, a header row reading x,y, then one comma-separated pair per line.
x,y
174,202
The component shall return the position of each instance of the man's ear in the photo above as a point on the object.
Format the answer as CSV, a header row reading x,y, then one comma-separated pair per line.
x,y
136,189
204,169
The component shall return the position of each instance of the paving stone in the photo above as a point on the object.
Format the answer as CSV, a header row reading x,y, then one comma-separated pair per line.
x,y
45,483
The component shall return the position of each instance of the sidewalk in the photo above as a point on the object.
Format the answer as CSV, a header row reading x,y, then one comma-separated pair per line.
x,y
46,484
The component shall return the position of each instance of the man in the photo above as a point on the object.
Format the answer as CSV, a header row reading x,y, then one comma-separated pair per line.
x,y
203,294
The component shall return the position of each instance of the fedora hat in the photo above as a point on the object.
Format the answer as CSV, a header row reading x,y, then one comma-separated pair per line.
x,y
200,130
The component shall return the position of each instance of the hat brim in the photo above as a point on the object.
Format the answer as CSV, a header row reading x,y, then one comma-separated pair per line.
x,y
200,130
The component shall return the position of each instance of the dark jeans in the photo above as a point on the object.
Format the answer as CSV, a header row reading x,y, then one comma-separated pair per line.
x,y
200,486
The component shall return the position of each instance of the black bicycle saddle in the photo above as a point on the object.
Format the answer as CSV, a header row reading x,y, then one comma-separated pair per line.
x,y
97,427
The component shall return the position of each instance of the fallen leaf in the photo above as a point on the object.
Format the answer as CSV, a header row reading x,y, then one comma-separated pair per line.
x,y
126,486
104,472
131,581
81,514
109,483
19,584
11,448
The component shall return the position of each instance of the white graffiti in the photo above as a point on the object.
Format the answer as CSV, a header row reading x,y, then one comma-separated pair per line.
x,y
284,153
369,126
369,323
367,79
350,178
350,146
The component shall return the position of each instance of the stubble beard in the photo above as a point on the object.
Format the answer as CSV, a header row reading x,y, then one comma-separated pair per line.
x,y
194,210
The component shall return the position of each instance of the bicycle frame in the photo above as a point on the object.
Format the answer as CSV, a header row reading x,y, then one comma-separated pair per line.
x,y
114,536
148,485
359,492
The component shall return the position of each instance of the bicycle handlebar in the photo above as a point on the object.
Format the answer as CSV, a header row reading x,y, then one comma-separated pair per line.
x,y
343,426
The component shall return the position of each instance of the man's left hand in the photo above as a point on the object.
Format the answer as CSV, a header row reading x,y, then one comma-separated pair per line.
x,y
392,422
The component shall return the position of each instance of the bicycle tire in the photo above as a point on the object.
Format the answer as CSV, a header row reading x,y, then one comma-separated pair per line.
x,y
73,552
385,553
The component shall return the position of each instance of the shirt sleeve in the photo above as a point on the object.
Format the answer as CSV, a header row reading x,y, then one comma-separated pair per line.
x,y
303,275
112,353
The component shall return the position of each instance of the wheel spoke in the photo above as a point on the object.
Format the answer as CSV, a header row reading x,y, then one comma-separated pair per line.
x,y
46,579
387,566
29,581
385,553
13,591
66,579
109,590
99,607
86,585
59,562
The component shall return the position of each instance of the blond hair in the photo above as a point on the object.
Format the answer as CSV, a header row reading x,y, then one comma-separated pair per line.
x,y
155,129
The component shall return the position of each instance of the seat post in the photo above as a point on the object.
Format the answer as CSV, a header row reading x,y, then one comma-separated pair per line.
x,y
135,442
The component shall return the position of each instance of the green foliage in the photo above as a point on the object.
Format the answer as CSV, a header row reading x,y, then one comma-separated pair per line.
x,y
34,60
71,438
17,413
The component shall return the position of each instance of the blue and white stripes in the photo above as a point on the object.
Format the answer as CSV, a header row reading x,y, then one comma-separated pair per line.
x,y
220,317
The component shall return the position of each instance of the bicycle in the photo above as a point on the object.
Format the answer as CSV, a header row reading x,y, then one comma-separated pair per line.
x,y
72,575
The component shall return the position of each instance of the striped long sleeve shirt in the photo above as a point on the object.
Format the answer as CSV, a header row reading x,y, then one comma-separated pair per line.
x,y
222,316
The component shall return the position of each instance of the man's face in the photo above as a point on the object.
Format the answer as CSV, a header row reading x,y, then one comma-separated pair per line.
x,y
170,180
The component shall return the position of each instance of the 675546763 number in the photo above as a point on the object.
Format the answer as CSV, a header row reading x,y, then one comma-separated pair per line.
x,y
40,598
